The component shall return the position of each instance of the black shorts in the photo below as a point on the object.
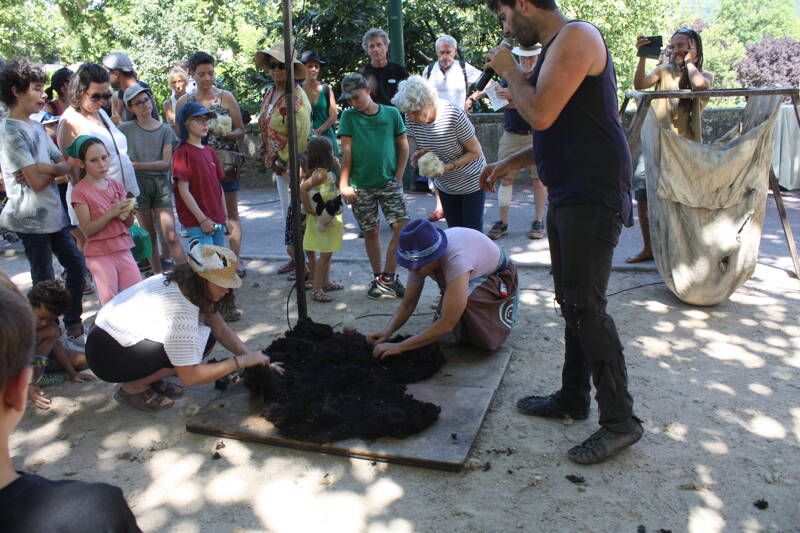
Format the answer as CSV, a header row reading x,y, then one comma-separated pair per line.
x,y
115,363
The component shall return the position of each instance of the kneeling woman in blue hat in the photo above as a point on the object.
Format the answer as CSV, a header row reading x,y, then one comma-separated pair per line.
x,y
477,281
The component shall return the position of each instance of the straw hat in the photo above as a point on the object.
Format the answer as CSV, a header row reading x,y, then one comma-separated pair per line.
x,y
276,52
215,264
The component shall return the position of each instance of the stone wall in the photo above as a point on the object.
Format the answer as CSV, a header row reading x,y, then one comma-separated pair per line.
x,y
488,127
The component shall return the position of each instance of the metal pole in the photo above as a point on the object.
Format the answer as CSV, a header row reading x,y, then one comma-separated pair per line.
x,y
394,11
294,181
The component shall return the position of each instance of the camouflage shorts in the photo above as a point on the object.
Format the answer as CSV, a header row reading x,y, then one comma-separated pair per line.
x,y
390,199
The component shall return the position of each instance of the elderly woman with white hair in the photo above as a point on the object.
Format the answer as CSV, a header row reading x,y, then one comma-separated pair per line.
x,y
448,151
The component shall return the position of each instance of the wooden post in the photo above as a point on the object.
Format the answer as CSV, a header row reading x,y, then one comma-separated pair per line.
x,y
294,180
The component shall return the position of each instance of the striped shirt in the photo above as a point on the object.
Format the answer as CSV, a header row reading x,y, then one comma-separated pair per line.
x,y
445,137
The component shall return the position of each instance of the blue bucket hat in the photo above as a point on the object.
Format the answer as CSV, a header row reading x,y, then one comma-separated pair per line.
x,y
189,110
420,243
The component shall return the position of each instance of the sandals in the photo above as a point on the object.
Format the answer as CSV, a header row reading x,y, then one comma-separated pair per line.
x,y
148,400
293,275
436,214
318,295
286,267
241,271
167,388
332,286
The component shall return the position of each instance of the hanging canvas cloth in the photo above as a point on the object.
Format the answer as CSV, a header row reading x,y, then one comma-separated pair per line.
x,y
707,203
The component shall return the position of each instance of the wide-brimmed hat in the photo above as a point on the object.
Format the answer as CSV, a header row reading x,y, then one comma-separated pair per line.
x,y
527,51
276,52
215,264
311,55
351,83
420,243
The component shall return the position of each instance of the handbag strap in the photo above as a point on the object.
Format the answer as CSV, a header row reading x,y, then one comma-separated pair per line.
x,y
116,148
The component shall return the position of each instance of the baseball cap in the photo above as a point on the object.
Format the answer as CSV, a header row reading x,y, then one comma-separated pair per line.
x,y
351,83
132,92
189,110
118,61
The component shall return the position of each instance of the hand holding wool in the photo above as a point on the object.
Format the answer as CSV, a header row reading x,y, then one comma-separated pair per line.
x,y
430,166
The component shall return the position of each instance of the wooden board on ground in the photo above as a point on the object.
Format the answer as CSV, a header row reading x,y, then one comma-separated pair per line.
x,y
463,388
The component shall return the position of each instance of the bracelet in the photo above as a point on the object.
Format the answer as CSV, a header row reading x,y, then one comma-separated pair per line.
x,y
236,360
201,222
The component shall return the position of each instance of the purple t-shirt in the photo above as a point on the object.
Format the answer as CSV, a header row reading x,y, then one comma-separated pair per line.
x,y
468,250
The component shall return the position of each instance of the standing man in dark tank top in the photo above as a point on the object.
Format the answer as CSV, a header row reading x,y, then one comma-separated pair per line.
x,y
582,157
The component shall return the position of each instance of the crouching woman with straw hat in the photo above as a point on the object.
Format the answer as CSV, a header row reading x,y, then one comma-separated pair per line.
x,y
477,281
164,326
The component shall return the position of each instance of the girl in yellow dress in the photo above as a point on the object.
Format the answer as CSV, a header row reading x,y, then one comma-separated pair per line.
x,y
323,207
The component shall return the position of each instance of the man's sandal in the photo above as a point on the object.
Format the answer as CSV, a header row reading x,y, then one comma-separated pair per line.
x,y
167,388
148,400
332,286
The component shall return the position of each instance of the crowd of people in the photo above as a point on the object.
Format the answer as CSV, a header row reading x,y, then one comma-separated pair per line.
x,y
92,154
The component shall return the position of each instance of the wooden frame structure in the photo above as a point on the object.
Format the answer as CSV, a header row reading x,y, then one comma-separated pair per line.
x,y
644,100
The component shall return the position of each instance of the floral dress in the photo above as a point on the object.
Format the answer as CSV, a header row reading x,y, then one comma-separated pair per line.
x,y
274,128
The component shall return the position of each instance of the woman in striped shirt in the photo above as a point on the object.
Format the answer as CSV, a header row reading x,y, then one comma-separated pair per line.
x,y
443,129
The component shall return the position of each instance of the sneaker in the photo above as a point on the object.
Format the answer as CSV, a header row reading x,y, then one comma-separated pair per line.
x,y
374,291
603,444
550,407
184,233
537,230
498,230
390,286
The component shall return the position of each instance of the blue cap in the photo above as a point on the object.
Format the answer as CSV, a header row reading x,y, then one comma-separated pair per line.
x,y
189,110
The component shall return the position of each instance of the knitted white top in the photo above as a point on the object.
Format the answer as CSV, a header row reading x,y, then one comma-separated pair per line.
x,y
159,313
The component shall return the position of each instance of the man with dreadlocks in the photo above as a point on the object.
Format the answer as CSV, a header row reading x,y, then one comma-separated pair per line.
x,y
682,69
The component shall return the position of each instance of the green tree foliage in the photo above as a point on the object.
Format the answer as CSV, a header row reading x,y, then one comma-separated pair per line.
x,y
751,20
156,33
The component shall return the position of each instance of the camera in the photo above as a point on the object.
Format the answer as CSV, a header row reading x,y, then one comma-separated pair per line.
x,y
652,50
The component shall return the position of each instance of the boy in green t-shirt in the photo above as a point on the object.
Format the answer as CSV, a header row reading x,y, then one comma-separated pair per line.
x,y
374,151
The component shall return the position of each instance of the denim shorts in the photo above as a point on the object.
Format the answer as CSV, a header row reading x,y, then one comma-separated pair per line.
x,y
196,234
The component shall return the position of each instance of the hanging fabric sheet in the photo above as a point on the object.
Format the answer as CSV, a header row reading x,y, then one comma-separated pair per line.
x,y
708,208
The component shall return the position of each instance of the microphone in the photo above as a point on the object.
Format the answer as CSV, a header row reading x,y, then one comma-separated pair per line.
x,y
489,72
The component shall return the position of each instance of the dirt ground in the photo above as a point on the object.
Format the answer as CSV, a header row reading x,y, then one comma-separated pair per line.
x,y
716,387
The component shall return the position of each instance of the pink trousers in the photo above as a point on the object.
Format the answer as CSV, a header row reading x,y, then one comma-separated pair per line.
x,y
113,273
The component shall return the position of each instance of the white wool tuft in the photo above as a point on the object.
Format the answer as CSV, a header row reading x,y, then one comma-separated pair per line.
x,y
430,166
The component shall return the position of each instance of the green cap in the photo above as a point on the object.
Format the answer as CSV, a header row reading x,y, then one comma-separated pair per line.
x,y
74,149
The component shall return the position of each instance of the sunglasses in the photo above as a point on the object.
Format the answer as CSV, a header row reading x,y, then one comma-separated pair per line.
x,y
279,66
202,119
140,103
96,97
